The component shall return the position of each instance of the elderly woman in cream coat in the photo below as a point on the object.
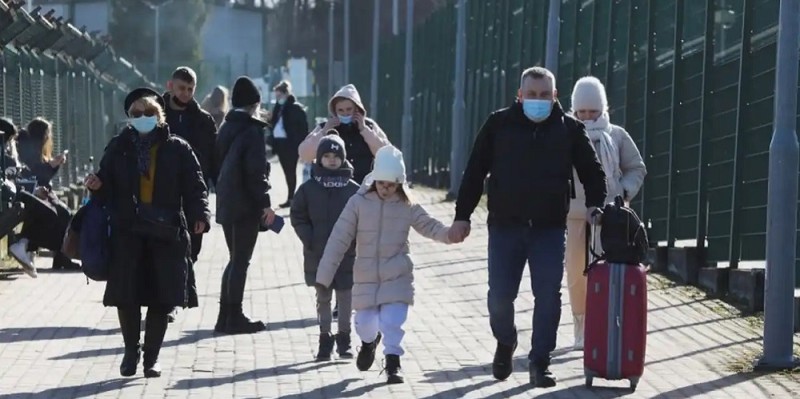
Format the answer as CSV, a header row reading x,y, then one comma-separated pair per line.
x,y
625,172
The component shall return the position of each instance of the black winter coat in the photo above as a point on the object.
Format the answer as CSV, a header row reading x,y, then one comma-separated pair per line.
x,y
146,271
201,133
530,169
241,158
315,210
295,121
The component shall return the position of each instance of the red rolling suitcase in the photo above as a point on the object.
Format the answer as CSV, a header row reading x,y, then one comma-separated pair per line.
x,y
616,322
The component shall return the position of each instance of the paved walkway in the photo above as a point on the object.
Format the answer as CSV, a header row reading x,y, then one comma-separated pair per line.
x,y
58,341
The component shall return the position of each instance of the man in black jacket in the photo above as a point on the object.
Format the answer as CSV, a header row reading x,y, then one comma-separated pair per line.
x,y
187,120
289,127
529,151
243,200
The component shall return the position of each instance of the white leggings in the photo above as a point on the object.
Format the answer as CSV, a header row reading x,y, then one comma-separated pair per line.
x,y
388,319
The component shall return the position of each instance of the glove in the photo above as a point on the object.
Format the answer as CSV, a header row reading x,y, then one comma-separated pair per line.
x,y
594,215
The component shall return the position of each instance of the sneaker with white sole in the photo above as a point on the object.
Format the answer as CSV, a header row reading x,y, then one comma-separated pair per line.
x,y
19,251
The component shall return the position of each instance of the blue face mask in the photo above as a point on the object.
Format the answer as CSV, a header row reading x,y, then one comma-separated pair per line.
x,y
144,124
281,101
537,110
346,119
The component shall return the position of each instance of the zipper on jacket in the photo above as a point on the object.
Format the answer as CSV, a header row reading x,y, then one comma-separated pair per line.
x,y
378,251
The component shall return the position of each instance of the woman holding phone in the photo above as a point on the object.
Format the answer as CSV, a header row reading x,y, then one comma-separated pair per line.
x,y
362,136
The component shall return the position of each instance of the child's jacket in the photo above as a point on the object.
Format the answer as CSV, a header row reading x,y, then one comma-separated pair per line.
x,y
383,270
315,208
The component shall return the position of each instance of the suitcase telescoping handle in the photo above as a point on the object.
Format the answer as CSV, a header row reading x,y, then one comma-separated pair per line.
x,y
592,250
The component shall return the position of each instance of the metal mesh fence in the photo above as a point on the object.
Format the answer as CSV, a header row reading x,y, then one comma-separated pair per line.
x,y
692,81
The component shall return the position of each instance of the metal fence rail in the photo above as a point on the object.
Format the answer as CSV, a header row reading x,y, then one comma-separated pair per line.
x,y
692,81
73,79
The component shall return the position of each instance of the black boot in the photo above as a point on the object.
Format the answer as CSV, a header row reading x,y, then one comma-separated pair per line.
x,y
325,347
503,364
155,328
130,360
222,319
238,323
393,370
366,355
540,375
343,346
130,324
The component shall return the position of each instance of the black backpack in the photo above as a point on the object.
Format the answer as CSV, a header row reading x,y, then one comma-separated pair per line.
x,y
623,235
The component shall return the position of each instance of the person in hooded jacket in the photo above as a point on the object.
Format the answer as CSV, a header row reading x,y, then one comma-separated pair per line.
x,y
316,208
152,184
289,125
243,201
362,136
625,171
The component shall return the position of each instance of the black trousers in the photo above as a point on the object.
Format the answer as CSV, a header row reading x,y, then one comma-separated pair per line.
x,y
191,284
45,222
241,239
155,328
288,158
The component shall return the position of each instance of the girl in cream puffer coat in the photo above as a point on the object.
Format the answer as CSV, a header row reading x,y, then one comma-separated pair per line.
x,y
379,218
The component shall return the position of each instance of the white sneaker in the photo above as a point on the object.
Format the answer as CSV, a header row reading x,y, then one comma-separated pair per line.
x,y
19,251
578,324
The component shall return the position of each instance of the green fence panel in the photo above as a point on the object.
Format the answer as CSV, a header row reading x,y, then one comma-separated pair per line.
x,y
691,81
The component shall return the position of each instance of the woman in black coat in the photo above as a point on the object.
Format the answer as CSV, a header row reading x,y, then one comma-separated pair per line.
x,y
243,201
153,185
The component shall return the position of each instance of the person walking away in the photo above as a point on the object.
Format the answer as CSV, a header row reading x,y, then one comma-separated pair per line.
x,y
216,104
379,218
316,207
289,125
187,120
151,182
243,200
528,150
625,171
362,136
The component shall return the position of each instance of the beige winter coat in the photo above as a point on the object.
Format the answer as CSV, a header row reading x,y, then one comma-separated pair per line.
x,y
632,172
374,137
383,271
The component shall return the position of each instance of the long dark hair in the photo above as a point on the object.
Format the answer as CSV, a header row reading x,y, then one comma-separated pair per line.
x,y
40,134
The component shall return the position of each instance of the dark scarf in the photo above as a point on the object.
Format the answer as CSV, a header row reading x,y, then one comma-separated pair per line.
x,y
332,178
144,143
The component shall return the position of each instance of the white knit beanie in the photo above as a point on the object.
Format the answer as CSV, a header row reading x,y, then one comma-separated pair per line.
x,y
589,94
389,165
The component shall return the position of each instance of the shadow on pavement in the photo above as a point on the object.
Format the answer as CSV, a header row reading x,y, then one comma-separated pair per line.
x,y
297,324
189,338
337,390
77,391
485,370
703,388
288,369
8,335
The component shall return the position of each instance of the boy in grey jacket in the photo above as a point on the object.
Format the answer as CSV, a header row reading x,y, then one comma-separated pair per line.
x,y
315,209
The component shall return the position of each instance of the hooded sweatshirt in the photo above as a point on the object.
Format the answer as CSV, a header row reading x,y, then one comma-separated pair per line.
x,y
361,144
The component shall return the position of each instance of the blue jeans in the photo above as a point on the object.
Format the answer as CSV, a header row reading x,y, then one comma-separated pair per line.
x,y
543,249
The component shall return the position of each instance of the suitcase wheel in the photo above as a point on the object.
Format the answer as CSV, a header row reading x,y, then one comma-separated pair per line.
x,y
634,383
589,380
